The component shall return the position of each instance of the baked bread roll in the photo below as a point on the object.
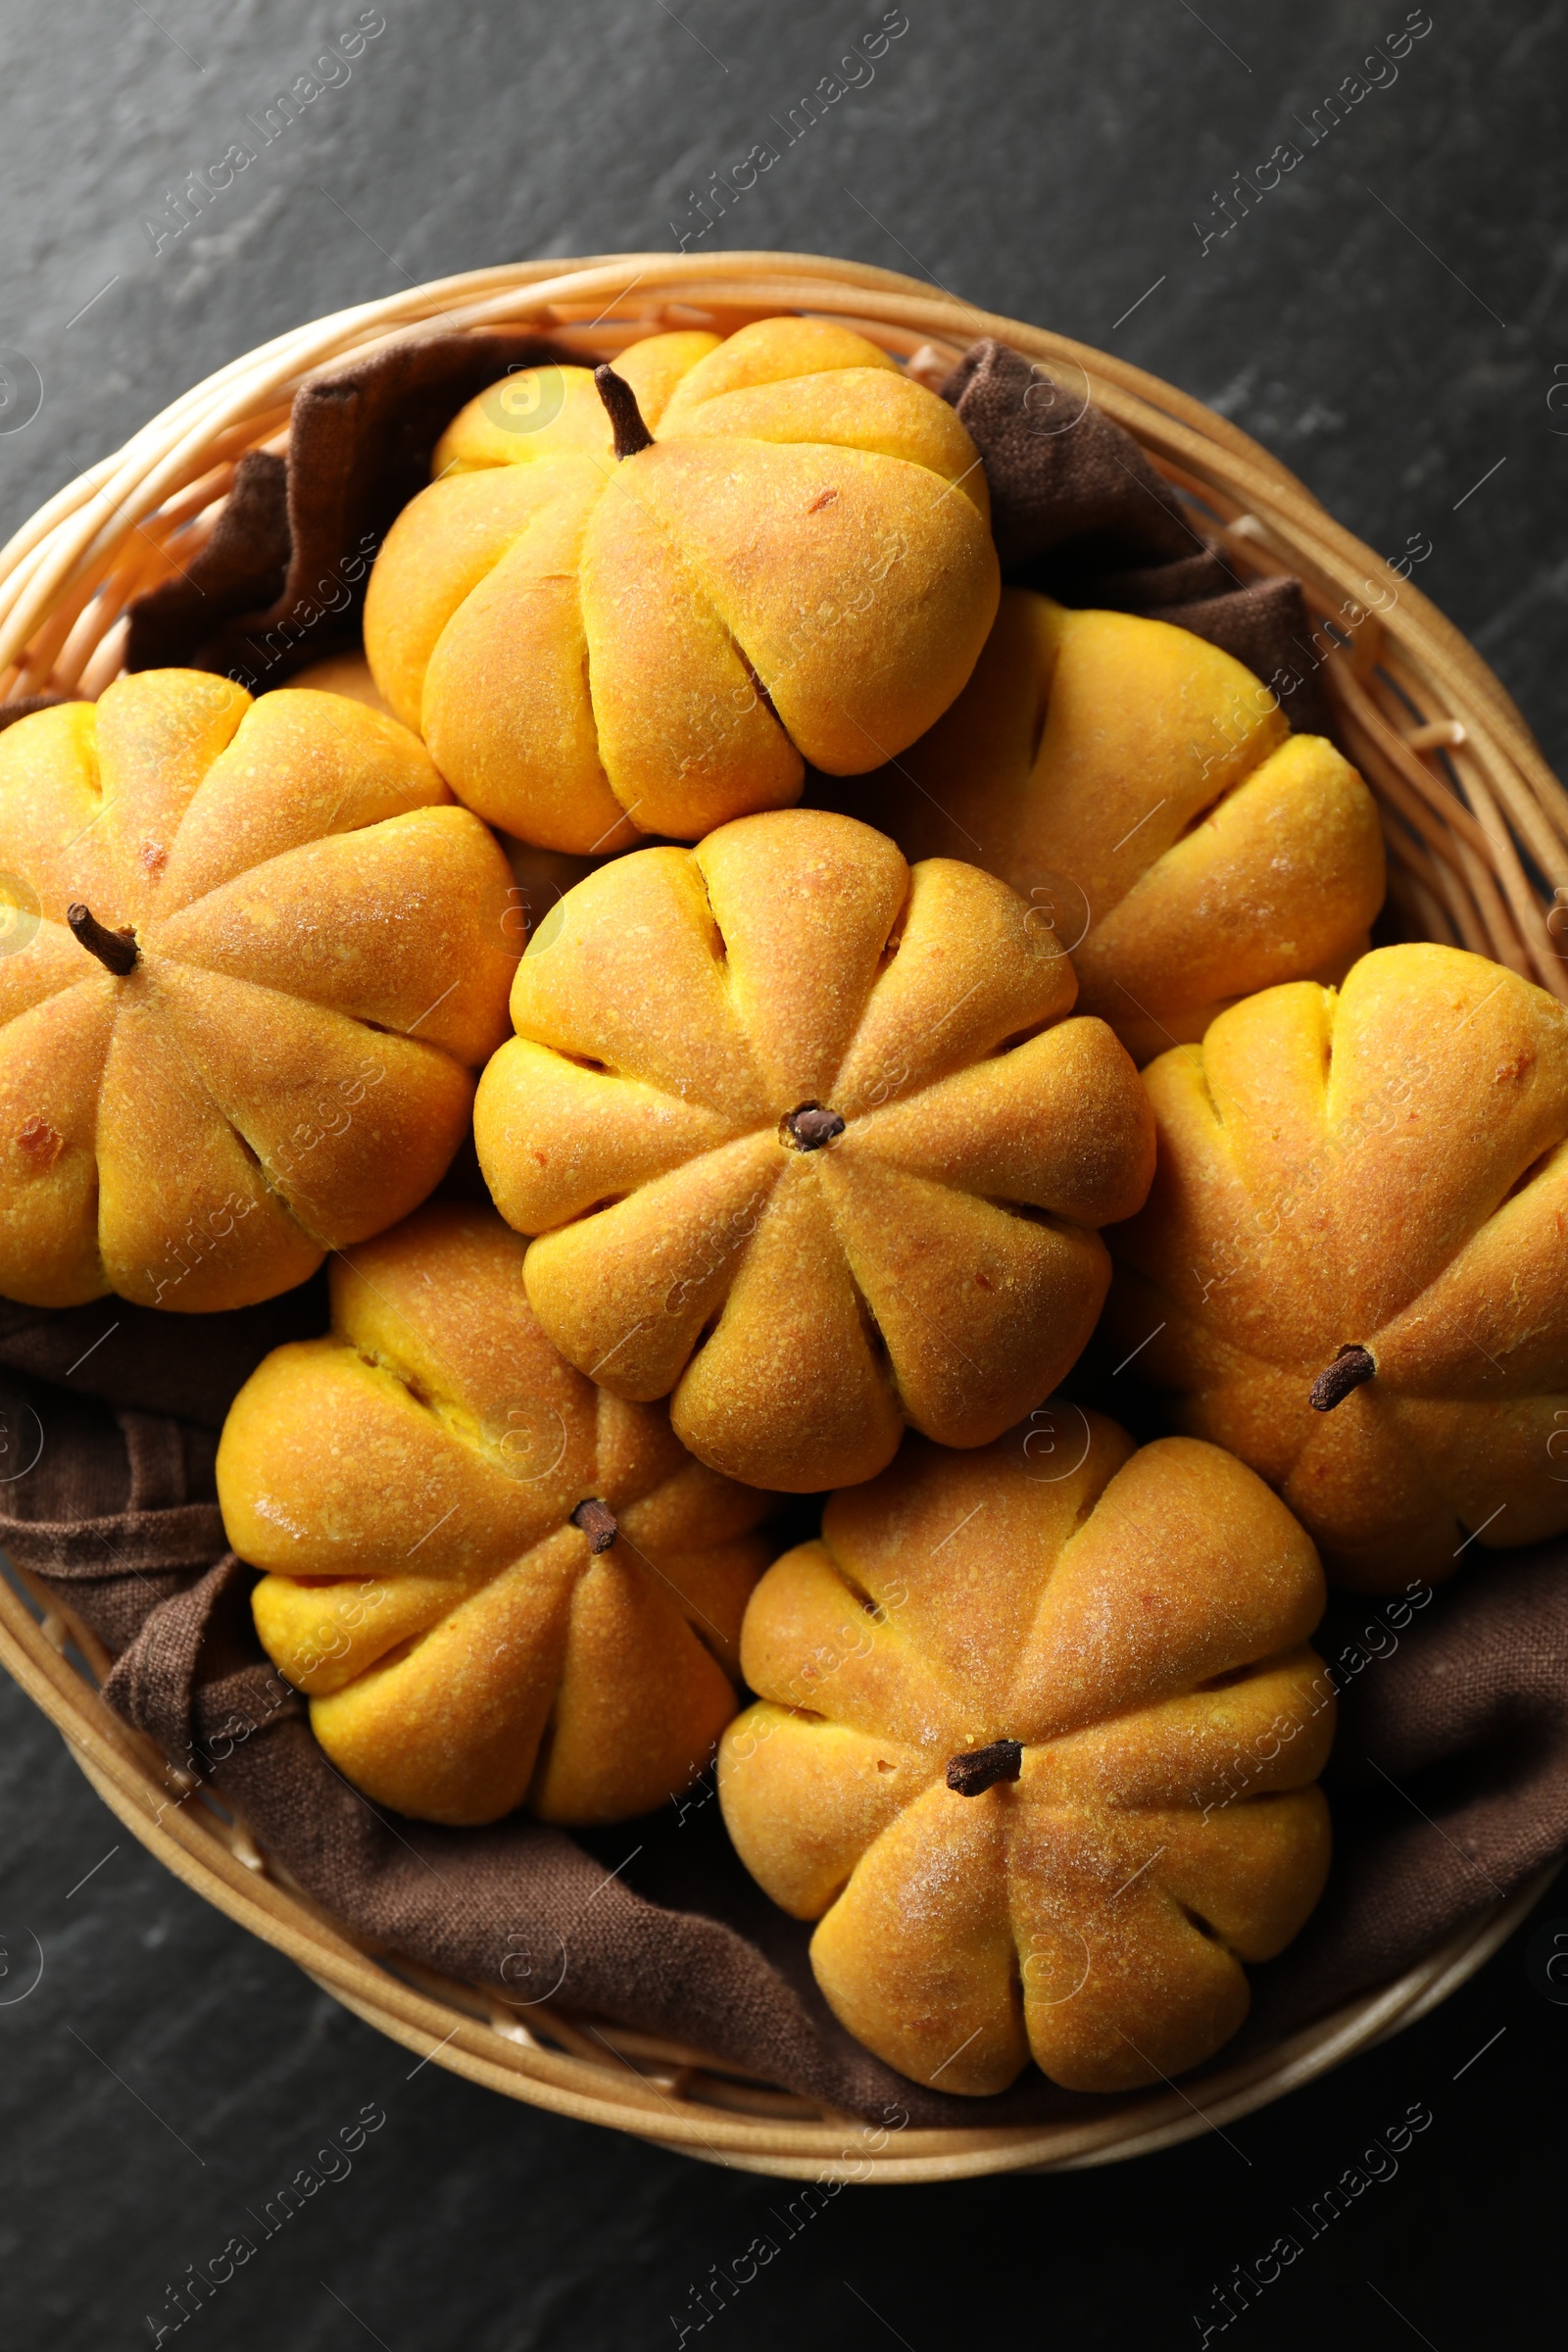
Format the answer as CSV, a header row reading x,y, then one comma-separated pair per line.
x,y
641,604
255,952
1351,1261
498,1585
1033,1744
1143,791
809,1146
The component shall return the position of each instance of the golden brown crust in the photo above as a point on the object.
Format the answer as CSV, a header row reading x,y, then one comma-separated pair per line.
x,y
799,567
1136,1622
1143,790
1386,1167
323,957
407,1484
931,1260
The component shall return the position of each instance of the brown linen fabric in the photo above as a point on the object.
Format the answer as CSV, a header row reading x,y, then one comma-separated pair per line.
x,y
1449,1778
1078,511
282,580
26,704
1450,1772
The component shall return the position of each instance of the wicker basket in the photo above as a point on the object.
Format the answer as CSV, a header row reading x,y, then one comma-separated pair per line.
x,y
1476,832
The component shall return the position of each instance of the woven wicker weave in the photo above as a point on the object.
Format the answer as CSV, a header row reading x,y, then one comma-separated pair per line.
x,y
1477,831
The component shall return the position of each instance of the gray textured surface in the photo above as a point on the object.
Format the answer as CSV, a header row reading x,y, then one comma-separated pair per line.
x,y
1391,320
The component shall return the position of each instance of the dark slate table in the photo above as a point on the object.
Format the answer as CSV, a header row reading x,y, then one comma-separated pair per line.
x,y
1391,320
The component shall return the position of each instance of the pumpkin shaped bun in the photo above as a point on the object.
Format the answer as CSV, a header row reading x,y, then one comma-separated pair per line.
x,y
637,600
1033,1743
1352,1258
254,956
808,1140
1144,791
497,1584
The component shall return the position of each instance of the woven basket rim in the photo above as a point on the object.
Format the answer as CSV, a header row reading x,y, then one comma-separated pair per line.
x,y
1427,721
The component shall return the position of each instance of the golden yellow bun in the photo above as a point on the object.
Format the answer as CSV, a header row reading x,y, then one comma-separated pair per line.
x,y
1143,790
320,957
934,1262
1382,1168
408,1482
799,567
1136,1621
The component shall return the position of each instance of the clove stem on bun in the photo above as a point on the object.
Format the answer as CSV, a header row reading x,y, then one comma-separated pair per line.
x,y
620,402
1350,1369
117,950
982,1768
598,1523
812,1126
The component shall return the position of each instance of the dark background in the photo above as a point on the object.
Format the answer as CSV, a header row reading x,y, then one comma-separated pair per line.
x,y
1391,322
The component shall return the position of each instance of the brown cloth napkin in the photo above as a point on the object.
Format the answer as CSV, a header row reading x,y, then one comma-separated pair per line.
x,y
1452,1767
1078,511
1449,1777
282,580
